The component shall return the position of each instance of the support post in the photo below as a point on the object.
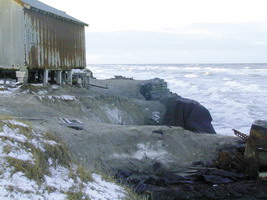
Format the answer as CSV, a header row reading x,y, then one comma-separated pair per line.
x,y
46,71
22,75
88,81
69,74
59,77
64,77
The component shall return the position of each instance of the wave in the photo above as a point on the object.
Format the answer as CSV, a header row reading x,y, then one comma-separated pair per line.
x,y
190,76
234,94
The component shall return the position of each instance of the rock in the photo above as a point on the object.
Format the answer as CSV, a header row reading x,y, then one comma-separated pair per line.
x,y
255,153
157,165
122,174
157,181
133,180
216,179
154,89
258,133
188,114
160,132
140,188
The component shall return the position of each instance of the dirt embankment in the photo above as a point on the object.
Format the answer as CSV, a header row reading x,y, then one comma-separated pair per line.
x,y
119,127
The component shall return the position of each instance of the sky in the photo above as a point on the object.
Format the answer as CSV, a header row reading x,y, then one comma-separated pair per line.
x,y
171,31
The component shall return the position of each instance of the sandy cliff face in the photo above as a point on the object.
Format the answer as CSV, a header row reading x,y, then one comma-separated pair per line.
x,y
115,134
106,108
141,149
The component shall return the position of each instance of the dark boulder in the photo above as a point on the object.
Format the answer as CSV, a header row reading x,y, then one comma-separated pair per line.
x,y
188,114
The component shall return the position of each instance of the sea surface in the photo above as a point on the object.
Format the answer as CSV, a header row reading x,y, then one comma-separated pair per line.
x,y
235,94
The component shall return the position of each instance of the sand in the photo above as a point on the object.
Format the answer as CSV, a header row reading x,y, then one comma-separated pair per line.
x,y
118,129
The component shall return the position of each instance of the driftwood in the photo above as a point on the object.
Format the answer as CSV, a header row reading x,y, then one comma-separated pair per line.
x,y
75,124
99,86
243,136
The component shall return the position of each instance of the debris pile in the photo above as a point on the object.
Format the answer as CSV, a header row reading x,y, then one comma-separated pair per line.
x,y
119,77
254,159
154,89
74,123
237,173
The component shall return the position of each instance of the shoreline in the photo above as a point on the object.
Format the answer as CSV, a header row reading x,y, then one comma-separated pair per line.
x,y
104,140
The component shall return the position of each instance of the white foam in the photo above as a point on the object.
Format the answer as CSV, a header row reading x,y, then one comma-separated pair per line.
x,y
190,76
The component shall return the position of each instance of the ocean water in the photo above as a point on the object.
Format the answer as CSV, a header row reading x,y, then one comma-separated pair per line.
x,y
235,94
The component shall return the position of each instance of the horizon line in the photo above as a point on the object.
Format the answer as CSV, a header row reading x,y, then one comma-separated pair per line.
x,y
211,63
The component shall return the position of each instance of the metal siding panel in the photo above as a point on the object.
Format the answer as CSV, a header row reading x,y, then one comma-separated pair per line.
x,y
83,49
11,37
52,43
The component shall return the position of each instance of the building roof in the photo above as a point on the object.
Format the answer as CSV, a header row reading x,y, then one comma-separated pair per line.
x,y
46,9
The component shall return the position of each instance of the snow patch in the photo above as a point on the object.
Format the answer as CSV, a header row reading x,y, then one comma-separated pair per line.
x,y
103,190
147,151
16,123
21,154
156,117
57,98
79,71
13,134
59,179
15,185
113,114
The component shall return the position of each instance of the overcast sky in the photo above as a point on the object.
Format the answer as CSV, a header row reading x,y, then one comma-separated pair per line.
x,y
171,31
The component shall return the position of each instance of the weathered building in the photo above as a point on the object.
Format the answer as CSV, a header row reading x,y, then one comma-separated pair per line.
x,y
38,42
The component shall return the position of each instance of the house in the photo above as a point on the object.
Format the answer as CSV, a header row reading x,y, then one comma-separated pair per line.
x,y
39,43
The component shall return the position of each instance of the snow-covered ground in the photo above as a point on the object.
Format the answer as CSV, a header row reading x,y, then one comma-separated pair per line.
x,y
21,149
7,90
58,98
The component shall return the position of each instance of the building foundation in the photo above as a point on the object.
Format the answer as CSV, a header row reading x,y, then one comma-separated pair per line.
x,y
45,77
59,77
22,75
69,77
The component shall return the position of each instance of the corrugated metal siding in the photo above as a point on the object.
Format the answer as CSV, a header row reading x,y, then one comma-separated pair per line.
x,y
11,35
52,43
